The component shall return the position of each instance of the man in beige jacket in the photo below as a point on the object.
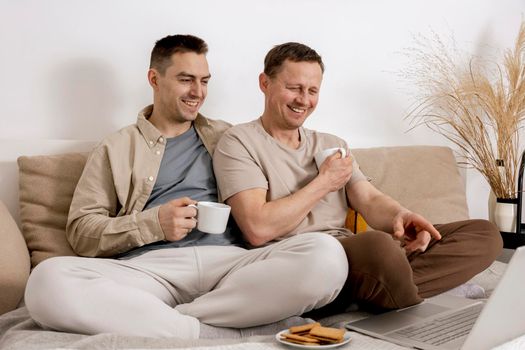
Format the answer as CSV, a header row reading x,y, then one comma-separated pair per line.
x,y
160,275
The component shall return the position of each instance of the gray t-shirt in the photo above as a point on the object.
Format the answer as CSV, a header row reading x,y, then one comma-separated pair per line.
x,y
247,157
186,170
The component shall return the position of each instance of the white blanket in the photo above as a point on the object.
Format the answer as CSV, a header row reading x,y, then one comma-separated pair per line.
x,y
19,331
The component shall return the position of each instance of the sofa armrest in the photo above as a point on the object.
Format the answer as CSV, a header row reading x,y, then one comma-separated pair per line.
x,y
14,262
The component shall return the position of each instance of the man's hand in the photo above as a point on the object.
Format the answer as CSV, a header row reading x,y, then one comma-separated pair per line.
x,y
177,219
336,171
414,230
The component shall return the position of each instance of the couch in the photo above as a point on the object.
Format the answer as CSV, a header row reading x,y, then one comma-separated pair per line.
x,y
37,179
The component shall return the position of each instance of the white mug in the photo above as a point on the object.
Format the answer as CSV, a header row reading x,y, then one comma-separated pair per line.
x,y
212,217
321,156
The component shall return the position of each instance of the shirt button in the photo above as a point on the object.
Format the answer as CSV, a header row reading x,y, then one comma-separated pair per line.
x,y
151,142
150,178
157,152
161,139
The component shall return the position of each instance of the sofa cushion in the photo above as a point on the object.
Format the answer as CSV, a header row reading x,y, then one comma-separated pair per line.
x,y
14,262
47,184
424,179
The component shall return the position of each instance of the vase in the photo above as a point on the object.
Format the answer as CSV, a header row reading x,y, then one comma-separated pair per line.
x,y
505,214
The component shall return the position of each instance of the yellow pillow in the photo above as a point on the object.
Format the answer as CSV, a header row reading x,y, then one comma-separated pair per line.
x,y
355,222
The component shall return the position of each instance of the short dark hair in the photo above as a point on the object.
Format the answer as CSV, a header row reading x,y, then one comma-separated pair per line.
x,y
172,44
295,52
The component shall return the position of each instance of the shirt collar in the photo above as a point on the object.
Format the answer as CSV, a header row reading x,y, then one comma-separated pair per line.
x,y
151,134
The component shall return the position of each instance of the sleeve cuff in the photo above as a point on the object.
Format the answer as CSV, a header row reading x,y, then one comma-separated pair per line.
x,y
149,225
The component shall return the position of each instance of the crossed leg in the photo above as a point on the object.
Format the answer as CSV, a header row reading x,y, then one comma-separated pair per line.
x,y
166,292
382,276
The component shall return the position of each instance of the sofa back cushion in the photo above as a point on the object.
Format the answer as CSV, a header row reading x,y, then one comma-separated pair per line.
x,y
46,188
424,179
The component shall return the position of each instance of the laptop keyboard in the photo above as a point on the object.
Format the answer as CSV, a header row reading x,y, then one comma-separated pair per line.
x,y
443,329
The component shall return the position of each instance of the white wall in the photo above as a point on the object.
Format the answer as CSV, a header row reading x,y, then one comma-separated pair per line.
x,y
77,69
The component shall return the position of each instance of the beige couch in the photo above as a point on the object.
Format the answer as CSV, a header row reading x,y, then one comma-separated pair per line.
x,y
36,197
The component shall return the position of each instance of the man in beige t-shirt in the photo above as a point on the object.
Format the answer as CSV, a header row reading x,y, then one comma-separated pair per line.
x,y
265,170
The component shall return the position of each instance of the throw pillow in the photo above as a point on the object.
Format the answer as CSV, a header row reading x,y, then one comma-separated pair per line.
x,y
355,222
47,184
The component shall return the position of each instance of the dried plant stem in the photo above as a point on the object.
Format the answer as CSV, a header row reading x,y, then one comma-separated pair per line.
x,y
480,110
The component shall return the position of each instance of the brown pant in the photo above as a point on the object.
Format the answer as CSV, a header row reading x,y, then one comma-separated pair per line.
x,y
382,276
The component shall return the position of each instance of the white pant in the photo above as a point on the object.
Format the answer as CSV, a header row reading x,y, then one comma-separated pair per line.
x,y
165,292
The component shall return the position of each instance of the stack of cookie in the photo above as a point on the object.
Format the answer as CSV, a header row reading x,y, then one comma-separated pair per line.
x,y
313,334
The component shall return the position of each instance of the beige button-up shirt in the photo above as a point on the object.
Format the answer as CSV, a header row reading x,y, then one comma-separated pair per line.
x,y
106,216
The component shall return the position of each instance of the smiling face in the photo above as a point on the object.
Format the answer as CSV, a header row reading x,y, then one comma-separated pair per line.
x,y
291,95
179,93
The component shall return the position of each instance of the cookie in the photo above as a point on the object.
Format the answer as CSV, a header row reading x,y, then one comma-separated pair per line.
x,y
325,341
303,328
295,337
327,333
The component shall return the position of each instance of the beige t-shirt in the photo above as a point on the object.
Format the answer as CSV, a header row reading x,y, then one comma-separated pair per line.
x,y
247,157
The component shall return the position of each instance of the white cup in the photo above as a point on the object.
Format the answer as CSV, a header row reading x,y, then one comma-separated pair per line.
x,y
212,217
321,156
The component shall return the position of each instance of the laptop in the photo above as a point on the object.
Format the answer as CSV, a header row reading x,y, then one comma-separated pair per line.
x,y
450,322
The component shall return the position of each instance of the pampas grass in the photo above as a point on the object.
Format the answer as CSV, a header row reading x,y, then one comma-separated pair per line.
x,y
478,106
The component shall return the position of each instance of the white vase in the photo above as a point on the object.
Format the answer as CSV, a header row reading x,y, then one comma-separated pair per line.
x,y
505,214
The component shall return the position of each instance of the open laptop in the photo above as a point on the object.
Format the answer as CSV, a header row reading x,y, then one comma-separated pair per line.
x,y
449,322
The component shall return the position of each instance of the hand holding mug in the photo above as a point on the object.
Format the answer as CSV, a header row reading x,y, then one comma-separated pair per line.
x,y
335,169
176,218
